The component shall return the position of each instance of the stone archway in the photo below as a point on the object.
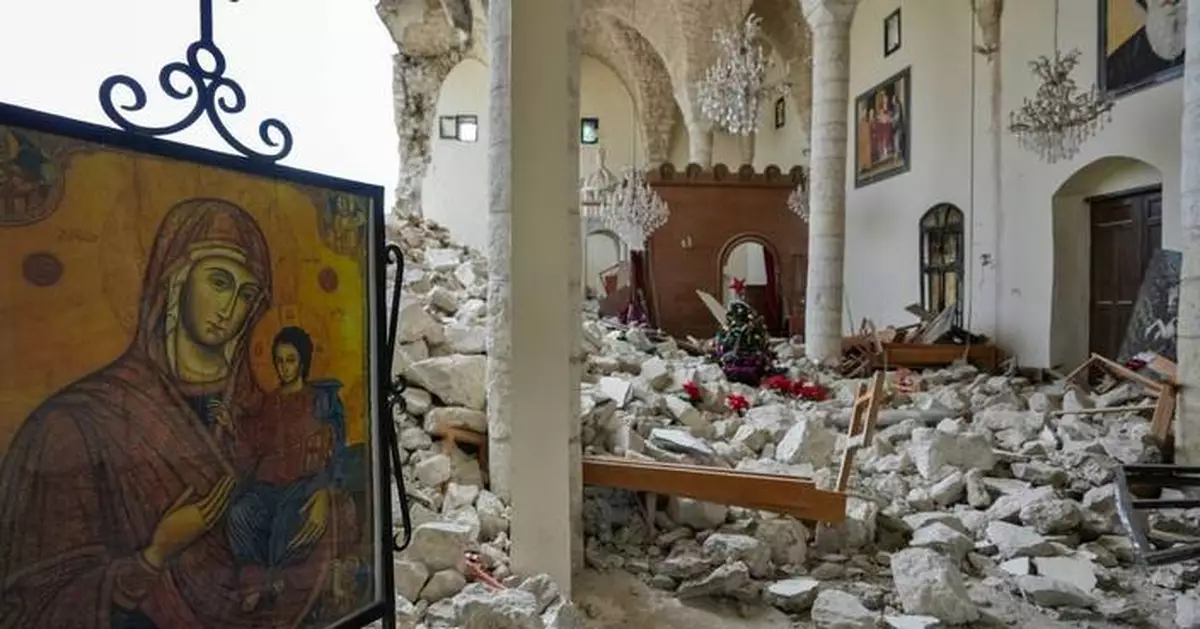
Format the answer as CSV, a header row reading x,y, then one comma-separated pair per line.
x,y
1071,295
602,250
752,259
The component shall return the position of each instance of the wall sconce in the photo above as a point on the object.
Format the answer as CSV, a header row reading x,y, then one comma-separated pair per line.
x,y
686,243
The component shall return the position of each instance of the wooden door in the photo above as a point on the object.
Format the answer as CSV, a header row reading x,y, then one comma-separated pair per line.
x,y
1126,231
796,294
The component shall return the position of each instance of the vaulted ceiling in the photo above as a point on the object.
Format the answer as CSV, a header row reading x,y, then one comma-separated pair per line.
x,y
658,48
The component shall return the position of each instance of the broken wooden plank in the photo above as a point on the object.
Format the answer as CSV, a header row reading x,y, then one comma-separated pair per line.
x,y
794,496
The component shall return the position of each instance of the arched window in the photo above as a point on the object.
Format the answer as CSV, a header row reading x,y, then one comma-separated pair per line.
x,y
942,260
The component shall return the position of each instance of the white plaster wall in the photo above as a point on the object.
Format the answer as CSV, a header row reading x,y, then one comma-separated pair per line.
x,y
1011,297
455,188
882,243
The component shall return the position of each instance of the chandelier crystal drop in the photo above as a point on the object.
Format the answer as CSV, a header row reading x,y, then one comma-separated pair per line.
x,y
1060,117
797,201
733,87
633,210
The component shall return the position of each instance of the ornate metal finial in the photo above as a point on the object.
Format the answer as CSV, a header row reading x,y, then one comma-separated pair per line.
x,y
205,70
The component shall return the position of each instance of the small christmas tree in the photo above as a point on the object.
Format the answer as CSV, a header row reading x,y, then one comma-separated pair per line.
x,y
741,347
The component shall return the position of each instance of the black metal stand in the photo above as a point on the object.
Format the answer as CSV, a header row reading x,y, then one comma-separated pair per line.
x,y
393,256
1152,478
215,95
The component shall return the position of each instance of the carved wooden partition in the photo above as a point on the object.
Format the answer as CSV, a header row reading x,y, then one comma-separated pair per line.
x,y
712,211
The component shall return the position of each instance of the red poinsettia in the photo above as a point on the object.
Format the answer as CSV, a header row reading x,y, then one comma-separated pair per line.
x,y
737,402
810,391
692,392
738,286
778,383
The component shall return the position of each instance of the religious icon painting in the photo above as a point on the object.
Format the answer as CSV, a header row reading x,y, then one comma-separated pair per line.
x,y
1141,44
190,401
881,131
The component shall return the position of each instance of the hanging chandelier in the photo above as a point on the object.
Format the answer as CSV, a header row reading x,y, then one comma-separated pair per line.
x,y
633,210
733,87
1060,117
597,186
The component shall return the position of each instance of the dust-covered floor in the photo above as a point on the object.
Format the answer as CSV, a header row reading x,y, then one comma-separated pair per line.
x,y
618,600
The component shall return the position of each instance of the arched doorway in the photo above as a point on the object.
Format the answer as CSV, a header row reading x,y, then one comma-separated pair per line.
x,y
602,251
751,262
1107,225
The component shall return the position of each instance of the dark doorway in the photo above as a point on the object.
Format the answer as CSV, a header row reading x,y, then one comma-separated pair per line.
x,y
1126,231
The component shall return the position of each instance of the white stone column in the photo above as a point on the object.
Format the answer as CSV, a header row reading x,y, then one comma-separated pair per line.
x,y
533,323
700,144
575,283
983,290
829,22
1187,422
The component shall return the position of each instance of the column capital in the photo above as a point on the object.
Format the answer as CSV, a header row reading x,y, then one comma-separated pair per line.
x,y
987,15
828,12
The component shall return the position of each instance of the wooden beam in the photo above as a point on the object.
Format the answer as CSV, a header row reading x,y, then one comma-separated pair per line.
x,y
794,496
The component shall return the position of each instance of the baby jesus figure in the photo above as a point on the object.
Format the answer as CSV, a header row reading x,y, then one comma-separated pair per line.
x,y
292,454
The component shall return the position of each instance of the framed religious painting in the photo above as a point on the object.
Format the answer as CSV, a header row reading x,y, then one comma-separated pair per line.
x,y
192,388
882,142
1141,44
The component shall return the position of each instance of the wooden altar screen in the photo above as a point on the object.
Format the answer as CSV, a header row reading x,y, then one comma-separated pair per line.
x,y
711,212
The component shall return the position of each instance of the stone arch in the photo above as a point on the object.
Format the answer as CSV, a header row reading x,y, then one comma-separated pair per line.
x,y
761,269
634,60
1071,237
602,249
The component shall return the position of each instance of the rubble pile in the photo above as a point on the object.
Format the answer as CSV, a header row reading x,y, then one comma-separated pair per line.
x,y
976,504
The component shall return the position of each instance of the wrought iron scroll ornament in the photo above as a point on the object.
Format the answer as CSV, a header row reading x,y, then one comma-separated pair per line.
x,y
393,256
215,95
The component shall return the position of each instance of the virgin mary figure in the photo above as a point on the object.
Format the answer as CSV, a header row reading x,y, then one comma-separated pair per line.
x,y
114,490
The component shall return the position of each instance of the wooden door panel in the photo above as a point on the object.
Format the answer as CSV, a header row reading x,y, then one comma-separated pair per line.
x,y
1125,233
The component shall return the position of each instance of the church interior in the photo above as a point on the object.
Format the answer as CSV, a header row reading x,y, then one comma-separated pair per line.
x,y
863,313
728,314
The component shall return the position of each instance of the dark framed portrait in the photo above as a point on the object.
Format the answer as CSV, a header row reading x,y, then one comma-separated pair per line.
x,y
891,33
199,353
448,127
589,130
882,142
780,113
1141,44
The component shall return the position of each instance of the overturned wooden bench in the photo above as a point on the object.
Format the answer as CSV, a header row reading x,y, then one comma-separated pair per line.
x,y
790,495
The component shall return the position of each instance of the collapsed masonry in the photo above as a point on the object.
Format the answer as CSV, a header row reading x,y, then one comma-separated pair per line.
x,y
982,501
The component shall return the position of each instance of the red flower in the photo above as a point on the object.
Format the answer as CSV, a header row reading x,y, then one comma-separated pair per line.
x,y
738,286
737,402
810,391
692,390
778,383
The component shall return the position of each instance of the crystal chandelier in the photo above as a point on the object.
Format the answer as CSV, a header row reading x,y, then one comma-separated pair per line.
x,y
732,88
1060,117
633,210
597,186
